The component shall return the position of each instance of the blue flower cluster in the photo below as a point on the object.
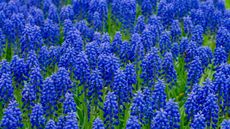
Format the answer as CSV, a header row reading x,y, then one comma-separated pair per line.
x,y
109,64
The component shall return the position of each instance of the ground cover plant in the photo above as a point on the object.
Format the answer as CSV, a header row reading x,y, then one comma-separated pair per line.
x,y
114,64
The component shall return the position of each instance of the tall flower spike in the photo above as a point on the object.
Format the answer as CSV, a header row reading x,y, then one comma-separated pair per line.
x,y
160,121
62,82
146,8
220,56
35,80
73,39
100,6
205,55
8,30
69,104
195,72
151,65
128,14
31,38
71,121
165,43
97,22
37,119
210,111
18,21
131,76
98,124
138,107
4,67
68,59
149,114
92,52
191,105
53,13
38,16
225,124
82,70
28,97
18,69
198,122
43,58
188,25
183,45
2,42
117,42
61,122
140,25
48,97
190,52
175,50
133,123
50,125
67,13
32,61
222,39
173,114
197,35
6,88
137,48
169,71
116,10
148,38
67,27
107,65
50,32
175,31
121,89
95,87
159,95
111,111
12,117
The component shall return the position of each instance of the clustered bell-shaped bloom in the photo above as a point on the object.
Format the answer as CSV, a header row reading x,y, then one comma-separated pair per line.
x,y
188,25
117,42
140,25
28,97
159,95
73,39
190,52
146,8
222,39
31,38
67,13
98,124
210,111
50,32
160,121
12,117
50,124
108,65
128,14
53,13
183,45
71,121
195,72
148,38
36,118
2,42
191,105
169,71
137,48
8,30
95,87
173,114
133,123
43,58
131,76
62,82
175,50
37,15
69,104
18,69
138,106
68,59
121,88
4,67
165,43
35,81
198,121
111,111
151,65
225,124
92,52
32,61
175,31
205,55
6,88
197,35
48,97
82,70
220,56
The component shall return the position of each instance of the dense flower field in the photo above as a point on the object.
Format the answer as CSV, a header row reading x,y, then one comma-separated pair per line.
x,y
114,64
